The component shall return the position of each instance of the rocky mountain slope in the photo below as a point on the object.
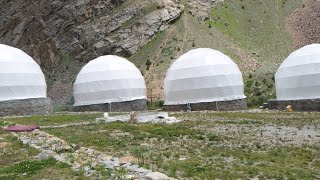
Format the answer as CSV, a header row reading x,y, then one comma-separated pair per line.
x,y
63,35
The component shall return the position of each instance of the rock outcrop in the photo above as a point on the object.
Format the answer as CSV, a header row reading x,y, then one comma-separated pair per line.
x,y
82,29
201,8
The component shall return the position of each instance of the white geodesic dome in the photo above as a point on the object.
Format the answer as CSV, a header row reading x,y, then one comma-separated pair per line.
x,y
203,75
299,75
20,76
108,79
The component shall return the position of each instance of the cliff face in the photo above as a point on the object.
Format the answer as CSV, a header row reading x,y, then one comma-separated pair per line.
x,y
63,35
82,29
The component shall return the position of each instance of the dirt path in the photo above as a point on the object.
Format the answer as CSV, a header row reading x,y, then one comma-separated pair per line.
x,y
186,32
158,53
155,85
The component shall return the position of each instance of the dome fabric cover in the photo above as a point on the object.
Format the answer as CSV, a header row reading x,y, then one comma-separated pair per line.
x,y
299,75
108,79
203,75
20,76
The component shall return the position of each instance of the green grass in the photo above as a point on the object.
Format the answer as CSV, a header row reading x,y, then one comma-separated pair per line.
x,y
13,151
155,105
17,162
159,146
266,165
54,119
147,52
106,142
259,28
259,88
31,169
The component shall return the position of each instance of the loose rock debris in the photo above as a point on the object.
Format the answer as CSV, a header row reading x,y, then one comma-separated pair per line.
x,y
82,158
141,117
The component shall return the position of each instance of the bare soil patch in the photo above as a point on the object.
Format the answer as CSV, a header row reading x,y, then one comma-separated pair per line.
x,y
303,24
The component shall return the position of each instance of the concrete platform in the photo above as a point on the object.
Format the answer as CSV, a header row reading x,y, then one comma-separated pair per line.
x,y
127,106
234,105
296,105
22,107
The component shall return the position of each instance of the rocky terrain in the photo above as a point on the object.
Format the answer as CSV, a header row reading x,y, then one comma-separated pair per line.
x,y
63,35
252,144
83,29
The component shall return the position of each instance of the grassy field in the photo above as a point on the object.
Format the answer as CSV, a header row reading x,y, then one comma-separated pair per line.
x,y
57,119
17,162
205,145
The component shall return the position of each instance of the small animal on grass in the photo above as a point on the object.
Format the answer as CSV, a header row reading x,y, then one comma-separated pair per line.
x,y
133,117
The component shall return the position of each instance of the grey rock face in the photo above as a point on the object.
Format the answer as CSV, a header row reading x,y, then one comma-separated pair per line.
x,y
84,29
201,8
55,32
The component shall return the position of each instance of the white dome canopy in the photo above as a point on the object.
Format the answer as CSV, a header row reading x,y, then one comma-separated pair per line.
x,y
203,75
20,76
299,75
108,79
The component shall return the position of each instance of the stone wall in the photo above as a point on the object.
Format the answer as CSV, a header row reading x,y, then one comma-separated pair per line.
x,y
233,105
296,105
135,105
35,106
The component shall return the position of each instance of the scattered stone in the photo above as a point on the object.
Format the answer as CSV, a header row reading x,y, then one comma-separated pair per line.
x,y
90,151
79,158
129,177
132,167
157,176
75,147
44,155
142,170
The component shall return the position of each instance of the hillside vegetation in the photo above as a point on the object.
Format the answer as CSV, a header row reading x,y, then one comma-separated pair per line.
x,y
257,34
252,33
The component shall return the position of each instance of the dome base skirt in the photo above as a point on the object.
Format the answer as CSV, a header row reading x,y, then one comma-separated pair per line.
x,y
127,106
23,107
296,105
233,105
